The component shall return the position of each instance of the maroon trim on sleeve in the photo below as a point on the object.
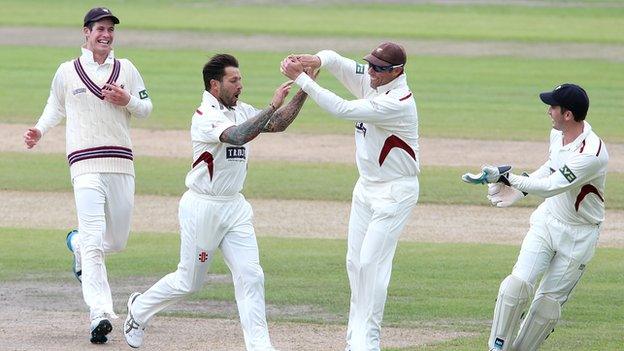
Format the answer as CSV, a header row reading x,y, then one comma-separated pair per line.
x,y
599,147
585,190
206,157
392,142
199,112
406,97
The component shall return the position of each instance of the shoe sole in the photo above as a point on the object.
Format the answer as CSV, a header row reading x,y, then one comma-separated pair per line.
x,y
98,334
77,274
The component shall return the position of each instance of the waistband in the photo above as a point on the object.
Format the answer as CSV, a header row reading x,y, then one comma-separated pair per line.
x,y
214,197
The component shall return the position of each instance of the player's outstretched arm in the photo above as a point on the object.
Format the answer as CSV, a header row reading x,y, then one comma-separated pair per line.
x,y
247,131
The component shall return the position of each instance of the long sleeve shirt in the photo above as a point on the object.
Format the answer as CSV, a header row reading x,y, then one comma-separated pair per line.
x,y
572,180
386,119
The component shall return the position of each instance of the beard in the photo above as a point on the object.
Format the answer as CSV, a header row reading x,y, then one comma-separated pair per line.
x,y
228,100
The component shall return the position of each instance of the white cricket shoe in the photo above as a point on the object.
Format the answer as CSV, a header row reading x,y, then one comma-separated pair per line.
x,y
133,332
100,327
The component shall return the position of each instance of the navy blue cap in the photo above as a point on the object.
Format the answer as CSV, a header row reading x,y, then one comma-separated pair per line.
x,y
569,96
97,13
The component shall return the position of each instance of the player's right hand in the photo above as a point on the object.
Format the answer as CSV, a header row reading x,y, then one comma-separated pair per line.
x,y
501,195
280,94
32,137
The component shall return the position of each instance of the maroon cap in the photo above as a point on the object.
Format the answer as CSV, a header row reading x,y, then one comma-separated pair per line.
x,y
387,54
97,13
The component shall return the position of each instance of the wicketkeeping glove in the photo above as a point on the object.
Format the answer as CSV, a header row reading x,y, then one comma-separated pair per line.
x,y
489,174
501,195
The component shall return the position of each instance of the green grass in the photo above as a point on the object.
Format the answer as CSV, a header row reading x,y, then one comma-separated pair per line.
x,y
597,24
266,180
445,286
457,97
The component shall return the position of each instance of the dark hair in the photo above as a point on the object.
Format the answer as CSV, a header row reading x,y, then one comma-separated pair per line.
x,y
215,68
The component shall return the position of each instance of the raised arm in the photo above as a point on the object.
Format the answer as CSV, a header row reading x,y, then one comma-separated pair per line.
x,y
282,118
248,130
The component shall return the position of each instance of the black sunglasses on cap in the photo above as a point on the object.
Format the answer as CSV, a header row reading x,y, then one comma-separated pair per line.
x,y
383,68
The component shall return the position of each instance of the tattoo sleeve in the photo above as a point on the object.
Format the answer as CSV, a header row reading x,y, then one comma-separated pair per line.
x,y
283,117
247,131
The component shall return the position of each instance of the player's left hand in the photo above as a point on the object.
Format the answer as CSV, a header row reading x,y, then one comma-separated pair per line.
x,y
489,174
115,94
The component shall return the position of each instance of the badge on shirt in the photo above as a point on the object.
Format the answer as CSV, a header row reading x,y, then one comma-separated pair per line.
x,y
567,173
143,94
235,152
359,68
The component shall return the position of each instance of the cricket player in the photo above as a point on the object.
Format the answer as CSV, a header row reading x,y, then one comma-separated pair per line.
x,y
213,214
386,137
98,94
564,228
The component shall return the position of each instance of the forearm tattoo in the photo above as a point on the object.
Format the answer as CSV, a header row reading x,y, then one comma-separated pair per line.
x,y
247,131
283,117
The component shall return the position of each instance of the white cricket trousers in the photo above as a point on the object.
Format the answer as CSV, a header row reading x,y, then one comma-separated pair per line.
x,y
557,250
206,224
104,203
379,212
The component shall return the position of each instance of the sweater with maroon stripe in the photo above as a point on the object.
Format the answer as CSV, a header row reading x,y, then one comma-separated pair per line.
x,y
97,131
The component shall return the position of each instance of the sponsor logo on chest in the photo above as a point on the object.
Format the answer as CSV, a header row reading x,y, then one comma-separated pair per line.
x,y
79,91
235,153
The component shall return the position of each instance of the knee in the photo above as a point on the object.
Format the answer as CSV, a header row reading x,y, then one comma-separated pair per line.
x,y
353,265
515,290
188,286
252,275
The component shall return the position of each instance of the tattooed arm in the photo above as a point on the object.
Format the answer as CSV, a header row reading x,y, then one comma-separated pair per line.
x,y
247,131
283,117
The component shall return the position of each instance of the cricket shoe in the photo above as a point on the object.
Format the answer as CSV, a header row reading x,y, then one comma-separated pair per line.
x,y
133,332
100,327
71,240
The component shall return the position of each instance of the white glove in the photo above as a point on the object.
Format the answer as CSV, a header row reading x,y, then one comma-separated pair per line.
x,y
501,195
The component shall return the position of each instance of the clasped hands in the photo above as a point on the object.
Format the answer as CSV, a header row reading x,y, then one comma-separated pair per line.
x,y
295,64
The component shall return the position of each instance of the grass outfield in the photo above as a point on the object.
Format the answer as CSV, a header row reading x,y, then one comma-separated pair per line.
x,y
457,97
443,286
268,180
599,23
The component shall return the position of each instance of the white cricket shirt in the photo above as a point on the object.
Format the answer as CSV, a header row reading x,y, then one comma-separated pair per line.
x,y
572,180
386,128
219,169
